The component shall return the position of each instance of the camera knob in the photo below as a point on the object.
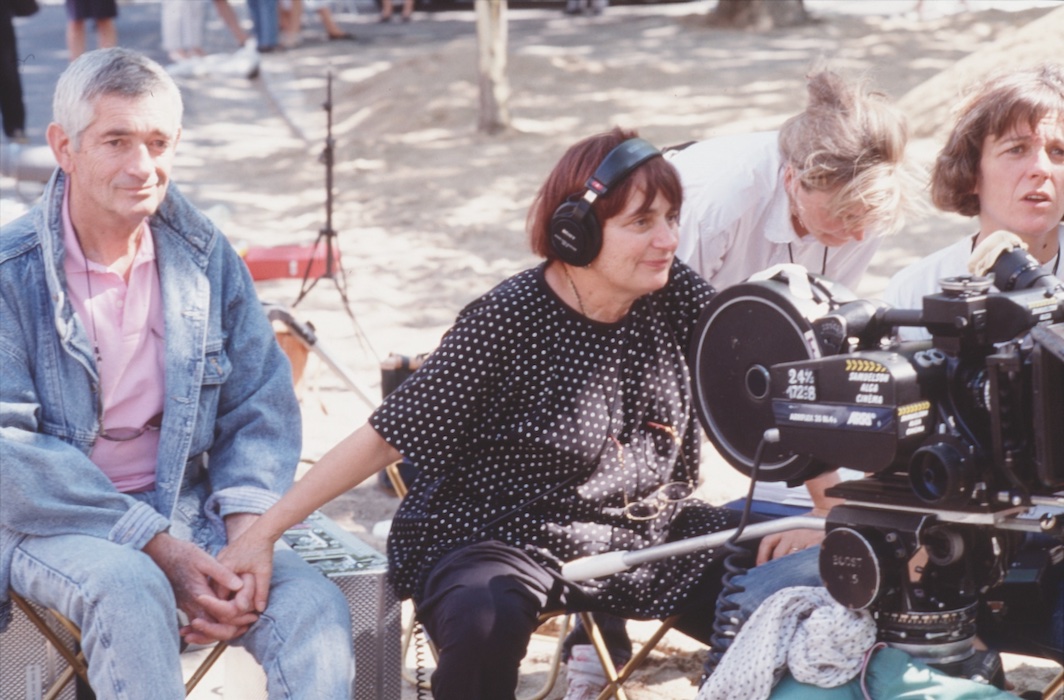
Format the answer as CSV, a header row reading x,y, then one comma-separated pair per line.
x,y
850,568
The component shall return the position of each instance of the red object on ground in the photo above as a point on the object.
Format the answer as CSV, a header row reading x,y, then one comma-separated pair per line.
x,y
286,261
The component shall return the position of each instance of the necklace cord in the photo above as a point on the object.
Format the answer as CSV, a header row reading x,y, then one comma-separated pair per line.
x,y
823,263
572,285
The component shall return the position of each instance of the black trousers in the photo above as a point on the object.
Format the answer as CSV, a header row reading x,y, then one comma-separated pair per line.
x,y
11,105
481,604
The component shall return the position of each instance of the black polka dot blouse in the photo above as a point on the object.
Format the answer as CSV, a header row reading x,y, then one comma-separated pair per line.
x,y
533,425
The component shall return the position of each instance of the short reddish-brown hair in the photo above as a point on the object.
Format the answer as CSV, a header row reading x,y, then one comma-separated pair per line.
x,y
569,176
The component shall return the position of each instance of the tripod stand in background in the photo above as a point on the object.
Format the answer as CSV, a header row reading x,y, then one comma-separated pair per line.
x,y
327,235
304,332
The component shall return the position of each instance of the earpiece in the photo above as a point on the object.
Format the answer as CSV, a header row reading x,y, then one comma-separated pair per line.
x,y
575,233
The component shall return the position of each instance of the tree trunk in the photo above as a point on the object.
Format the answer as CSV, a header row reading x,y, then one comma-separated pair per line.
x,y
758,14
494,115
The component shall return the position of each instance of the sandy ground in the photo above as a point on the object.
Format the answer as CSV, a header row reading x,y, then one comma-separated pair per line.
x,y
430,213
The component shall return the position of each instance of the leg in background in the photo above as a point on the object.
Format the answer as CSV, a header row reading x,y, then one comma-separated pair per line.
x,y
265,19
291,22
75,37
231,21
106,33
12,106
328,22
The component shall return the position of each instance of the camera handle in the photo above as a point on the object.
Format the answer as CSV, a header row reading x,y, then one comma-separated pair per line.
x,y
599,565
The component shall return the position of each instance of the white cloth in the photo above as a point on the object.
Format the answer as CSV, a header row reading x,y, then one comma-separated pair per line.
x,y
584,669
801,629
182,24
908,287
736,217
796,496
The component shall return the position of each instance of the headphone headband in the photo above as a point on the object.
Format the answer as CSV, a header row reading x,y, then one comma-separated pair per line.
x,y
623,159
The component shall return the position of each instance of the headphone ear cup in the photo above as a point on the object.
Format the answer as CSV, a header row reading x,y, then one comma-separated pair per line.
x,y
575,234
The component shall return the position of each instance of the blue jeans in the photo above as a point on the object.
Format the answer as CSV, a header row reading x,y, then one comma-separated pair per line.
x,y
265,21
125,608
798,569
768,509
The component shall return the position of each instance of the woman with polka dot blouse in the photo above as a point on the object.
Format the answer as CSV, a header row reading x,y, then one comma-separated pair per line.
x,y
554,421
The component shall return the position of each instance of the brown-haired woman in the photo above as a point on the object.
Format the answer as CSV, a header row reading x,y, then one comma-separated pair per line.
x,y
1003,163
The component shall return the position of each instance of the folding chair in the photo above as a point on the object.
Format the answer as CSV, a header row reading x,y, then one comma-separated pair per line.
x,y
1054,686
75,658
615,678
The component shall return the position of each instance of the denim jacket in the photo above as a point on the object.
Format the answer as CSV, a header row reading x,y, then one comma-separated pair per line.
x,y
230,415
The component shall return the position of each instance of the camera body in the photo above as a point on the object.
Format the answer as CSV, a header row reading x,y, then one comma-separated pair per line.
x,y
961,437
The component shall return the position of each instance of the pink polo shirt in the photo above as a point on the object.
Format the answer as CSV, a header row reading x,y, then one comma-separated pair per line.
x,y
125,321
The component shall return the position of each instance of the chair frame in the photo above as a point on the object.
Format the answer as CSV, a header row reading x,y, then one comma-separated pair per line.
x,y
77,665
553,667
615,678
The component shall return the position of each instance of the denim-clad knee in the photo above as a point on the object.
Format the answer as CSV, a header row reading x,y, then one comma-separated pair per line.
x,y
126,610
303,639
122,603
798,569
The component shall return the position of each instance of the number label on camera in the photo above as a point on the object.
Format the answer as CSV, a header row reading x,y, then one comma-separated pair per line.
x,y
801,385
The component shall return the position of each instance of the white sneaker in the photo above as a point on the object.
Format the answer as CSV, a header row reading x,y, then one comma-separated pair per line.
x,y
583,690
584,671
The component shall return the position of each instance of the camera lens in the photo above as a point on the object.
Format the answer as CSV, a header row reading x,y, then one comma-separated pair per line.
x,y
936,473
757,381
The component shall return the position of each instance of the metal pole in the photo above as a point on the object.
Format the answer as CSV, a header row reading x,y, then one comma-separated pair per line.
x,y
599,565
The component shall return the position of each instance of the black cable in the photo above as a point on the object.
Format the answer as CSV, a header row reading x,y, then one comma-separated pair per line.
x,y
419,659
726,624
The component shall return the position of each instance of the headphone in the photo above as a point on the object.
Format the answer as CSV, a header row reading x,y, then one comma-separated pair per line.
x,y
575,233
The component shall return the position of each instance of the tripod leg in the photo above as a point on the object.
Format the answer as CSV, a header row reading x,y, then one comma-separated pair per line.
x,y
304,287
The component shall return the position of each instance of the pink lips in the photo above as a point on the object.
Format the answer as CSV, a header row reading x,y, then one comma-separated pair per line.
x,y
1037,198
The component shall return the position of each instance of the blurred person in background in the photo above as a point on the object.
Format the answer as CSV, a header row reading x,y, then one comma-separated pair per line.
x,y
12,106
102,13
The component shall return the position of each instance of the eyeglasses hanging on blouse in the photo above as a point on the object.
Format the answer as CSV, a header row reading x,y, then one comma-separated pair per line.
x,y
654,504
127,434
114,434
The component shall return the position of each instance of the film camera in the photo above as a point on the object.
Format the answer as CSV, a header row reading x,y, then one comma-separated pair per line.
x,y
961,439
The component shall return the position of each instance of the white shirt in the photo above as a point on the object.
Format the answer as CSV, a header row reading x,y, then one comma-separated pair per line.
x,y
736,217
908,287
